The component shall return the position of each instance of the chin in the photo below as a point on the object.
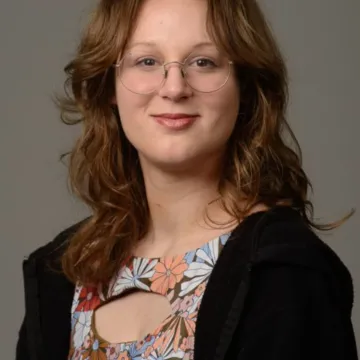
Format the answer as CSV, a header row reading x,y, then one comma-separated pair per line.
x,y
174,163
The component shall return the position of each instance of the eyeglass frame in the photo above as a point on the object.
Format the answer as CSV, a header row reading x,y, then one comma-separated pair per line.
x,y
165,72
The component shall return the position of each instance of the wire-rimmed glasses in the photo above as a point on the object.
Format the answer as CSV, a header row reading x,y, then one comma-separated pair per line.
x,y
143,73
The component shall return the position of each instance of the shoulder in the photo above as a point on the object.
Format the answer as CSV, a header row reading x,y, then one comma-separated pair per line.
x,y
280,225
285,237
58,244
290,255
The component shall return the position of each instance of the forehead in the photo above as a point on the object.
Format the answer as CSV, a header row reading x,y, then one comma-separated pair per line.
x,y
170,24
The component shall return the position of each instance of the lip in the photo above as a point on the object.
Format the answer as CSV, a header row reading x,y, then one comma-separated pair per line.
x,y
175,121
175,116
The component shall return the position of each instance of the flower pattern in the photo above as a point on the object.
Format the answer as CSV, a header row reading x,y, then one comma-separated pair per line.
x,y
133,276
88,299
168,273
81,328
96,349
181,279
200,270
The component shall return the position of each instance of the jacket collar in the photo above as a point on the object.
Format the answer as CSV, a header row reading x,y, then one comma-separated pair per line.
x,y
225,292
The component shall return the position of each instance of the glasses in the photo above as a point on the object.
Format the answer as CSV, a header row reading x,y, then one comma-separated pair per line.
x,y
143,73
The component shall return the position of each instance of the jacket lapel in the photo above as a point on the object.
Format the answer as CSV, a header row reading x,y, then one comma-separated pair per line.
x,y
48,299
225,292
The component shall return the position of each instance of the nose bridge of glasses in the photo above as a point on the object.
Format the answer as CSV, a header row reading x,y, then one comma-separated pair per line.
x,y
180,64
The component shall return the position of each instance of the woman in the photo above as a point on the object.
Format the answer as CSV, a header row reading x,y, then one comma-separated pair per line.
x,y
200,244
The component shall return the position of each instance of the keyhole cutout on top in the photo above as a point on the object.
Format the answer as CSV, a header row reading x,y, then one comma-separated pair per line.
x,y
131,317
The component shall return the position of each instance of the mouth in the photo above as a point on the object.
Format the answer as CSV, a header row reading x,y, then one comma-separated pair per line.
x,y
175,116
175,121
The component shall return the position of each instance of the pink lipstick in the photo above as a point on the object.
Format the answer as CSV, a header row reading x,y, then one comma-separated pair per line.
x,y
177,121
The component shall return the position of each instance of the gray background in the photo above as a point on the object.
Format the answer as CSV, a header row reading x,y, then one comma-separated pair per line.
x,y
320,39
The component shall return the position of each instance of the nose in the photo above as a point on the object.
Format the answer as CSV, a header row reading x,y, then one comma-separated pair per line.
x,y
175,86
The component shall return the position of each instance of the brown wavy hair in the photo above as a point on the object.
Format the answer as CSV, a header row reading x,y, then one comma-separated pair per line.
x,y
103,165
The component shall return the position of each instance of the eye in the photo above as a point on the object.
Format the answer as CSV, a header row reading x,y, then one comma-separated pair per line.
x,y
205,62
202,63
146,62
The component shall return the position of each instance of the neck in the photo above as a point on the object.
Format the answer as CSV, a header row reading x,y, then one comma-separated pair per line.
x,y
178,205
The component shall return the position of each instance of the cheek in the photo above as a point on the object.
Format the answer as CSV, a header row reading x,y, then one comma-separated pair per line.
x,y
132,108
130,103
223,107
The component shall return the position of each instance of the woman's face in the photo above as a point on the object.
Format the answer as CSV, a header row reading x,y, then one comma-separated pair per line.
x,y
175,28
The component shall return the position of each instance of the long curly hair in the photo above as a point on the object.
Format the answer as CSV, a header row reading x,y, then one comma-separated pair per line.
x,y
104,171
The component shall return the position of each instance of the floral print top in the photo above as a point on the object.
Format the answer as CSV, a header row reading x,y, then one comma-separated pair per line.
x,y
182,279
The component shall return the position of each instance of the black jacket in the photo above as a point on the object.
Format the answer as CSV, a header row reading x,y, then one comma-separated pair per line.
x,y
276,292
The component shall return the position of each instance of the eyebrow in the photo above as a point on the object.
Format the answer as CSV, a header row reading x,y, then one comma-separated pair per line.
x,y
153,44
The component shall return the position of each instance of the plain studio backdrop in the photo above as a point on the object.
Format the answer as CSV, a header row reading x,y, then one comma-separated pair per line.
x,y
321,43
